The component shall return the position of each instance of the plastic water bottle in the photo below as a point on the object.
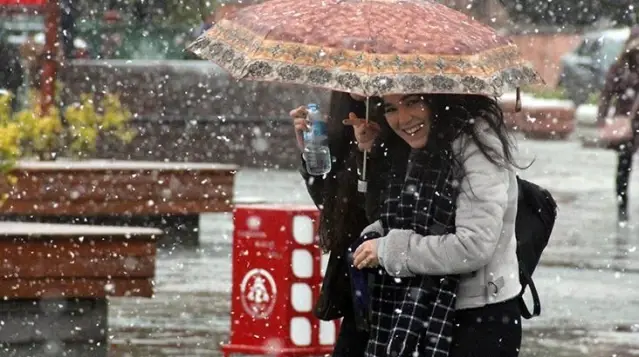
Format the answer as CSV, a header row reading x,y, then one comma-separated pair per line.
x,y
316,152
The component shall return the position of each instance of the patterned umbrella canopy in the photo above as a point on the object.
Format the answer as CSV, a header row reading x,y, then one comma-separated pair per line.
x,y
633,40
367,47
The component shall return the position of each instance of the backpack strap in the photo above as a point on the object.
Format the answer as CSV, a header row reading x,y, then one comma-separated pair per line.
x,y
525,313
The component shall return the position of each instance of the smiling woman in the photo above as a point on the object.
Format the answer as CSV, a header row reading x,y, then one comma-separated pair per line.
x,y
446,238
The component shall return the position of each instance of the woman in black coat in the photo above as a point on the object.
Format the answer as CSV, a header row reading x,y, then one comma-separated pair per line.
x,y
345,211
620,92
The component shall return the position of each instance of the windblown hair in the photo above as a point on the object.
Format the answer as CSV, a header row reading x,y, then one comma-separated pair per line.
x,y
457,115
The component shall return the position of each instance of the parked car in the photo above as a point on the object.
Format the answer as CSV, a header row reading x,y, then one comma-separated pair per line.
x,y
105,39
135,41
583,70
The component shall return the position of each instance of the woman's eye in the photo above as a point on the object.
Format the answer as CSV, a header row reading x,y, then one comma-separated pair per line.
x,y
389,110
412,102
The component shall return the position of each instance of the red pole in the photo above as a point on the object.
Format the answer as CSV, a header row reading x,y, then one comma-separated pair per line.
x,y
51,50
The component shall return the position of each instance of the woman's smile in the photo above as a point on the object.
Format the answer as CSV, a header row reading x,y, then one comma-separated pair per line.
x,y
414,129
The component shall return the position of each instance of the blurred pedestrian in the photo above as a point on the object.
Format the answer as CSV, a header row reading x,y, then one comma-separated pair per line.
x,y
621,92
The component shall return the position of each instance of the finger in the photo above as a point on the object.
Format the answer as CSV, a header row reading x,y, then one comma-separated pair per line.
x,y
366,134
353,120
359,250
373,125
301,124
370,127
356,122
363,264
363,253
299,112
358,257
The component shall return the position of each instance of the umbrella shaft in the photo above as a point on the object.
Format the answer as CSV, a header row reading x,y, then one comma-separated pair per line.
x,y
365,151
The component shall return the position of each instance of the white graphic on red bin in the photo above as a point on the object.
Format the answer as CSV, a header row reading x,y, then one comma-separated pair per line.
x,y
258,293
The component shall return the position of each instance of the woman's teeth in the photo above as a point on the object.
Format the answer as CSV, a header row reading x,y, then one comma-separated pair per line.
x,y
412,130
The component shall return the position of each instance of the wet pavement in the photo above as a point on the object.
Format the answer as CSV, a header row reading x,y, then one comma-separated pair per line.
x,y
582,181
589,281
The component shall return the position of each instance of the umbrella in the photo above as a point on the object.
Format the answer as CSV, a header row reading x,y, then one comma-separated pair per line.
x,y
366,47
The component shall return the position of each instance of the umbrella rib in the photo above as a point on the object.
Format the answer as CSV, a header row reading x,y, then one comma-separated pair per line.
x,y
370,68
368,106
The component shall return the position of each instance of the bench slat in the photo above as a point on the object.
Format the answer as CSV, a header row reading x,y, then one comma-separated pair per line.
x,y
75,287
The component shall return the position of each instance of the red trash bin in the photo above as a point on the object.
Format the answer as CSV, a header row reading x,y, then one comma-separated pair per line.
x,y
277,274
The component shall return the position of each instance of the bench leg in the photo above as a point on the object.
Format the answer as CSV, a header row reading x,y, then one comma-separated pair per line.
x,y
179,231
54,327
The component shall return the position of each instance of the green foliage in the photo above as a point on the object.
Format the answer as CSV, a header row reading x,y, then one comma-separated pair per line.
x,y
546,92
145,12
72,131
593,98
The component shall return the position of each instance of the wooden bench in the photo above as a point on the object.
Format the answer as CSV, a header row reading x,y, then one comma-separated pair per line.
x,y
55,279
170,196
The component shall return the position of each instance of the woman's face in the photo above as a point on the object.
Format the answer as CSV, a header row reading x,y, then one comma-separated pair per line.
x,y
409,117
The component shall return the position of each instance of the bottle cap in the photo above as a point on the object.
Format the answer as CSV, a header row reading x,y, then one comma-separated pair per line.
x,y
312,106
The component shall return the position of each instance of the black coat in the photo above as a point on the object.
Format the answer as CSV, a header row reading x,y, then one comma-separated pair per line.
x,y
335,300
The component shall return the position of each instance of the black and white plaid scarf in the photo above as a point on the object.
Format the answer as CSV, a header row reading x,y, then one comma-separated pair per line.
x,y
415,315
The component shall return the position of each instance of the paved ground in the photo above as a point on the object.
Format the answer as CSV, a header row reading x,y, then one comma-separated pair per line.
x,y
585,312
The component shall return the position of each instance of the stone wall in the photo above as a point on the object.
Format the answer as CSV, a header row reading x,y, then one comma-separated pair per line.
x,y
192,111
544,51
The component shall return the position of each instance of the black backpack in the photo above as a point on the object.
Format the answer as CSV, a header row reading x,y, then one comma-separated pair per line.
x,y
536,214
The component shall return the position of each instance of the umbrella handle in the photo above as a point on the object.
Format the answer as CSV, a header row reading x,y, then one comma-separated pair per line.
x,y
362,184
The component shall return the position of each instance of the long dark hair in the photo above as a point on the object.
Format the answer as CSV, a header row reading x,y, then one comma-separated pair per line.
x,y
630,50
339,215
456,115
345,211
630,58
